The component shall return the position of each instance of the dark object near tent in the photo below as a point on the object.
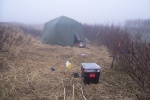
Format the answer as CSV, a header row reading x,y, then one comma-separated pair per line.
x,y
52,69
90,73
75,75
63,31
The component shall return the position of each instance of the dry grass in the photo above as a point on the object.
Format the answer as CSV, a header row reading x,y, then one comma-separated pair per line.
x,y
28,76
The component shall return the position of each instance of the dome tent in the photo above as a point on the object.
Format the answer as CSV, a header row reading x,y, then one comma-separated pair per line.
x,y
63,31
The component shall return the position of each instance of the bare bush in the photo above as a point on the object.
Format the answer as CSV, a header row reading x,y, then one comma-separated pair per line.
x,y
138,62
4,65
130,53
5,38
11,35
29,30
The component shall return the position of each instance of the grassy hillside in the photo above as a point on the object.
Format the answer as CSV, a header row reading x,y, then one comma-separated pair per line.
x,y
25,71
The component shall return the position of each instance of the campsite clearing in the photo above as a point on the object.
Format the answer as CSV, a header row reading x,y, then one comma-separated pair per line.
x,y
31,70
30,77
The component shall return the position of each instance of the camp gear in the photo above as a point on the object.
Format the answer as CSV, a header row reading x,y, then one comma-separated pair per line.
x,y
69,65
90,72
52,69
75,75
63,31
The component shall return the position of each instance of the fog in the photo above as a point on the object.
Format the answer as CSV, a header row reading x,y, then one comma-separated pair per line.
x,y
84,11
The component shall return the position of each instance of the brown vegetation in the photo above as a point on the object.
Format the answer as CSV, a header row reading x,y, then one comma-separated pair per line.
x,y
130,53
28,75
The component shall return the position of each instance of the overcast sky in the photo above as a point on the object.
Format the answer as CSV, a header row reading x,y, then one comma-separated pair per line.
x,y
84,11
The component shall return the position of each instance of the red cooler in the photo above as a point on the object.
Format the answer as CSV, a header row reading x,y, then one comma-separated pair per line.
x,y
90,73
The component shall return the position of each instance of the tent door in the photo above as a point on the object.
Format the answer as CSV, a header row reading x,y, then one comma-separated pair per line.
x,y
77,37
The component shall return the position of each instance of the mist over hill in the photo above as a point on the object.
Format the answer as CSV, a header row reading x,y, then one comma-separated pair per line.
x,y
140,27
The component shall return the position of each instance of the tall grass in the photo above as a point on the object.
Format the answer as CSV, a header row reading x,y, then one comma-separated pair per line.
x,y
25,68
11,37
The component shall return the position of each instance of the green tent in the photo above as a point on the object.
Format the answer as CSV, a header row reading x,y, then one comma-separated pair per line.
x,y
63,31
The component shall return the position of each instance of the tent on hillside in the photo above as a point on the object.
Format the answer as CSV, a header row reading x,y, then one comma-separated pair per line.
x,y
63,31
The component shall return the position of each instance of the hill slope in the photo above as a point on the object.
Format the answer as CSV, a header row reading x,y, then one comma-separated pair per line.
x,y
28,75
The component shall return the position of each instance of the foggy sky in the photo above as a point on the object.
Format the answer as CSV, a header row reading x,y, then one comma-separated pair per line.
x,y
84,11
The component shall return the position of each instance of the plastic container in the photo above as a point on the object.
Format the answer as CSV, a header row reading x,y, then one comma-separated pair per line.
x,y
90,72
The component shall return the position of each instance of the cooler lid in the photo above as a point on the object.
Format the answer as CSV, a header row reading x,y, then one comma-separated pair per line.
x,y
90,66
